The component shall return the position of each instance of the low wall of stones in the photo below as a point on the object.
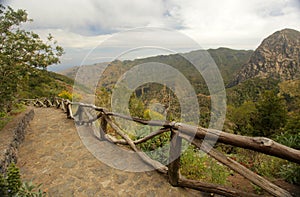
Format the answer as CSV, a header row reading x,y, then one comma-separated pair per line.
x,y
11,136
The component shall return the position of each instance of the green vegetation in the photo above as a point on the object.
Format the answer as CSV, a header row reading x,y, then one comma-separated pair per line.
x,y
256,107
28,189
197,166
263,118
264,107
268,166
22,56
271,114
13,179
68,95
229,61
12,185
250,90
6,117
156,148
270,109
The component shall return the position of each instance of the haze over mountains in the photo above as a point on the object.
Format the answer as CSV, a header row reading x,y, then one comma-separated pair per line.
x,y
228,60
277,57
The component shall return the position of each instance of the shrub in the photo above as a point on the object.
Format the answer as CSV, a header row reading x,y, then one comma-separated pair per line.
x,y
201,167
68,95
290,172
289,139
11,185
3,186
28,189
13,179
156,148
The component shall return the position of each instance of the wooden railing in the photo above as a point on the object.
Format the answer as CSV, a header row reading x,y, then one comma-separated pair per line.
x,y
179,132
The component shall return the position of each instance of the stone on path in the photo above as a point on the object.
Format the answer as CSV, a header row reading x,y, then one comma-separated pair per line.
x,y
54,155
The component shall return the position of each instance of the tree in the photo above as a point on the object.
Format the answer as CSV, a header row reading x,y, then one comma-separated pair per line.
x,y
242,117
271,114
20,52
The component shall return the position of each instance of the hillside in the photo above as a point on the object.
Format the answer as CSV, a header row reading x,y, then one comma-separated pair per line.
x,y
43,83
229,62
278,57
90,71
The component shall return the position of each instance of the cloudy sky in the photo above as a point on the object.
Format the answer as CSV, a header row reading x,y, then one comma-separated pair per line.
x,y
81,25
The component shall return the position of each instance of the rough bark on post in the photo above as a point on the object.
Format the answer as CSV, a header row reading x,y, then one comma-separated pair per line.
x,y
79,113
259,144
174,158
69,111
57,103
63,106
103,127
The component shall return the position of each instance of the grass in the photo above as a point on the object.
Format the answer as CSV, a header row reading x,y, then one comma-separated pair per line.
x,y
7,117
4,120
197,166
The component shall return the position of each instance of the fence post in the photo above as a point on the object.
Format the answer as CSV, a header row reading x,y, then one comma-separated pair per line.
x,y
79,112
57,103
103,127
174,158
63,106
69,111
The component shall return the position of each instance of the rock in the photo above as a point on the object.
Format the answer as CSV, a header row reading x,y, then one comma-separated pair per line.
x,y
121,179
278,57
69,164
11,136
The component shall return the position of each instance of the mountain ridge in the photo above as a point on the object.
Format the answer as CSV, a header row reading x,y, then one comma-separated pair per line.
x,y
278,57
228,60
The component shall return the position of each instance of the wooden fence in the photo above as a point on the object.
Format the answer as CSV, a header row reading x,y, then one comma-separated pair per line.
x,y
179,132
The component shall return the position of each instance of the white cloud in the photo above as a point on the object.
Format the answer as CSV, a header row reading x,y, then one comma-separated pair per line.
x,y
78,24
73,40
235,23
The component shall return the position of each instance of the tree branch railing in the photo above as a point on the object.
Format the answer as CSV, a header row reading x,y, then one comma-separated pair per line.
x,y
181,131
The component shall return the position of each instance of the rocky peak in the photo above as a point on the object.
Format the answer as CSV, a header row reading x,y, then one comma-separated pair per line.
x,y
278,56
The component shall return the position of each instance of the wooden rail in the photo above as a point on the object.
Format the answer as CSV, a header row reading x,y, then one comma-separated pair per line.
x,y
181,131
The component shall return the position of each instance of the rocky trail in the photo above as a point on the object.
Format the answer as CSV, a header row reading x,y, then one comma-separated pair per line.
x,y
53,154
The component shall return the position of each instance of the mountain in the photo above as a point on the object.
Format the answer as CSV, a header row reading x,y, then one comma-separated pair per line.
x,y
277,57
229,62
89,72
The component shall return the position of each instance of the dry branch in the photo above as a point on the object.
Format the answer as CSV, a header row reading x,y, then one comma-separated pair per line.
x,y
142,155
151,135
212,188
139,141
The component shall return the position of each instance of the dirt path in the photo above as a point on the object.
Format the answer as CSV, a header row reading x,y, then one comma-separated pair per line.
x,y
54,155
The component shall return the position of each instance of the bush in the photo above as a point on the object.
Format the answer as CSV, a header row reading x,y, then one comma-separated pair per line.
x,y
68,95
3,186
28,189
289,139
11,185
156,148
290,172
201,167
13,179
